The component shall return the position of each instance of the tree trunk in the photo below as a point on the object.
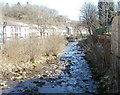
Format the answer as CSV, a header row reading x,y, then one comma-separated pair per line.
x,y
89,30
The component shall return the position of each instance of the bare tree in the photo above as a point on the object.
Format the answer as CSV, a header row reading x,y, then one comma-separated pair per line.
x,y
89,16
105,12
34,14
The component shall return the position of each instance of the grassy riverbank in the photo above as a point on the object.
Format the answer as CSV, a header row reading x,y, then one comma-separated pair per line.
x,y
97,50
31,58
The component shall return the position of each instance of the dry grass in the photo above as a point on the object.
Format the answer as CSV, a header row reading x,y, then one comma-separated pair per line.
x,y
31,49
97,49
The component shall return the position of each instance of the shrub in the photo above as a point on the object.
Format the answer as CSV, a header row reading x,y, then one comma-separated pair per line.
x,y
24,50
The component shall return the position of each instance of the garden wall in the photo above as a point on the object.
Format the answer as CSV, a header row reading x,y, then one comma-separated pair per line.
x,y
115,50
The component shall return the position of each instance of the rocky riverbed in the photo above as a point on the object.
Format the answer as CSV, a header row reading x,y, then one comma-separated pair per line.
x,y
70,75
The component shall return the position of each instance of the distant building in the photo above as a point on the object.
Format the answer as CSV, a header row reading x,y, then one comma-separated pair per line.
x,y
14,30
84,31
69,31
18,30
118,6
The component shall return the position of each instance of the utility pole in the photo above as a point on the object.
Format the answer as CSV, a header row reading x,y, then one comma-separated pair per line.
x,y
4,25
106,15
107,9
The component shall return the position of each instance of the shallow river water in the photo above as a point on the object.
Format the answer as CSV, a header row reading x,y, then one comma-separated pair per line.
x,y
77,77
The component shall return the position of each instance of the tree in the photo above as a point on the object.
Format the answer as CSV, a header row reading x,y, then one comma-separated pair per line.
x,y
105,12
7,4
18,4
89,16
34,14
27,3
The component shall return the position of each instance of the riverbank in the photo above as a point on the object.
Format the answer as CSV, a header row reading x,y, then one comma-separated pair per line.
x,y
47,67
97,50
30,58
70,75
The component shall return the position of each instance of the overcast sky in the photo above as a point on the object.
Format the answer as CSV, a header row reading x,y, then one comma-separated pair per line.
x,y
69,8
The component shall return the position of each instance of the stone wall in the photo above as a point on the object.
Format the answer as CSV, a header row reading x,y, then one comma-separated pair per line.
x,y
115,47
115,56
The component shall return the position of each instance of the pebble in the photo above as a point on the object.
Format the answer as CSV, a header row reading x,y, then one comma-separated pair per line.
x,y
65,77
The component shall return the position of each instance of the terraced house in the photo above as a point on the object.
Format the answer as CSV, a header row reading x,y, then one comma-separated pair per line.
x,y
17,30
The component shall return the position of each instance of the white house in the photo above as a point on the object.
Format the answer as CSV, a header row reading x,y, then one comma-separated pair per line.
x,y
82,30
1,32
14,30
69,31
18,30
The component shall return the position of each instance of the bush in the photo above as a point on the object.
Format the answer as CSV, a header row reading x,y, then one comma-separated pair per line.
x,y
32,48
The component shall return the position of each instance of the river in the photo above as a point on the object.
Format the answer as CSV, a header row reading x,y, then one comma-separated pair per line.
x,y
76,78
